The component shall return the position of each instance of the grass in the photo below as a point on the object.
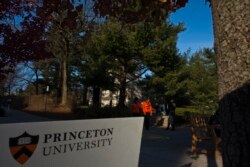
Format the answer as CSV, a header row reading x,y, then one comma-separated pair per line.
x,y
182,111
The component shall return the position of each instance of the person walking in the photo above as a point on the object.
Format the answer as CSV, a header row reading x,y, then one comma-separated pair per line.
x,y
171,117
161,112
166,107
136,107
147,111
158,118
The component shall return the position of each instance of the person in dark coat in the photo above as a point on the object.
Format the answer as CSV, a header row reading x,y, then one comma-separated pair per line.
x,y
171,116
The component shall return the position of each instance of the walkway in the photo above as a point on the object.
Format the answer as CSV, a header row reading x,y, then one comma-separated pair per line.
x,y
166,148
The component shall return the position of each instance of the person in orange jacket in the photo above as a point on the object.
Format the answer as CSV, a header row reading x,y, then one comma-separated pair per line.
x,y
147,111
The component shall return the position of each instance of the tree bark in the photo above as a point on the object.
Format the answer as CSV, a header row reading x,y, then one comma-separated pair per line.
x,y
37,82
96,96
84,98
122,96
231,21
111,99
65,73
64,84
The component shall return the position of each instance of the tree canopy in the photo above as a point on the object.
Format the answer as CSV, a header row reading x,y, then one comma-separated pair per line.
x,y
23,26
137,10
124,43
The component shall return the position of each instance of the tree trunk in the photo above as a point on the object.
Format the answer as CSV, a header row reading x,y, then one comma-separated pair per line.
x,y
65,73
37,82
64,84
111,99
96,96
232,46
122,96
59,83
84,98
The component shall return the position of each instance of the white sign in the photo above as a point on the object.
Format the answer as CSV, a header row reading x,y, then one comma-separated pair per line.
x,y
91,143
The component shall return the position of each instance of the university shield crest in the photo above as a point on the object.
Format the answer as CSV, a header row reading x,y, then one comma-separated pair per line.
x,y
22,147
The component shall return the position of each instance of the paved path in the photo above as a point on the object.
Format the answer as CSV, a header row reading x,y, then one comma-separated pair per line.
x,y
159,147
165,148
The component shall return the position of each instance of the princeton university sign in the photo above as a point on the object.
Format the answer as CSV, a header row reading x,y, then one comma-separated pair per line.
x,y
91,143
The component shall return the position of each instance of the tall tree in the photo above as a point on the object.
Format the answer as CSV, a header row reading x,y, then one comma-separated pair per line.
x,y
95,71
120,46
197,81
231,20
66,25
161,55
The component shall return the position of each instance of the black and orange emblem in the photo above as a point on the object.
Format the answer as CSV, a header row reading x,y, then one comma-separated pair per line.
x,y
22,147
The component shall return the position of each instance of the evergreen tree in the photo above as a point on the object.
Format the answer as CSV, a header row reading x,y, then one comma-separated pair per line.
x,y
118,45
162,57
202,83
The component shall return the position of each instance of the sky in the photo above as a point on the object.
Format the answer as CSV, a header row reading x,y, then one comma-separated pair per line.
x,y
197,19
